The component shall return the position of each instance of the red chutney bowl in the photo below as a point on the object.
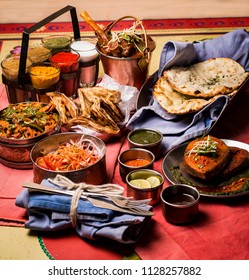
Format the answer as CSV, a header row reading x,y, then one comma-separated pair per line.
x,y
67,61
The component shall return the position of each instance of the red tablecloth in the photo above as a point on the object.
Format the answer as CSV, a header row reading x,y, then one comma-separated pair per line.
x,y
220,232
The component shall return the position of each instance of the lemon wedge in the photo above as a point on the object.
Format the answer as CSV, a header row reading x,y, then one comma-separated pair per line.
x,y
140,183
154,181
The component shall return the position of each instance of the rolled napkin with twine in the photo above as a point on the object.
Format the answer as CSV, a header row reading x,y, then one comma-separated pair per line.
x,y
178,129
58,212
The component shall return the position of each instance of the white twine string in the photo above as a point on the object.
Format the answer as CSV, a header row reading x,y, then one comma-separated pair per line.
x,y
108,189
74,206
65,183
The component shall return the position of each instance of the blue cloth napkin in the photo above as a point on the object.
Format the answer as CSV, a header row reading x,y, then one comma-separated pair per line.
x,y
50,212
178,129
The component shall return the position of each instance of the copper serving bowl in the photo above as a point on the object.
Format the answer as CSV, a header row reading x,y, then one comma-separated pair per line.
x,y
93,174
139,191
180,203
15,153
141,159
130,71
146,138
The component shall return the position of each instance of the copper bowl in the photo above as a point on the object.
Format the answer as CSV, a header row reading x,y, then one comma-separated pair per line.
x,y
15,153
131,71
146,138
134,154
93,174
180,203
152,191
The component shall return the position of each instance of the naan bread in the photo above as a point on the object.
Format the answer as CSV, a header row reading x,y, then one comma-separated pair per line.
x,y
208,78
176,103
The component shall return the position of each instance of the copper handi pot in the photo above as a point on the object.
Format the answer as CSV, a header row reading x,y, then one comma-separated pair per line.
x,y
15,153
144,193
131,71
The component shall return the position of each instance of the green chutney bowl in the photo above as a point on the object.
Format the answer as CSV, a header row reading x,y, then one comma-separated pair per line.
x,y
146,138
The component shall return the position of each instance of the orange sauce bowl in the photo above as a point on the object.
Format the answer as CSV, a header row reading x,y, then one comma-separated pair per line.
x,y
134,159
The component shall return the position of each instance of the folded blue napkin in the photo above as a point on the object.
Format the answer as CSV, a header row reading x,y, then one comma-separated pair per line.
x,y
178,129
50,212
234,44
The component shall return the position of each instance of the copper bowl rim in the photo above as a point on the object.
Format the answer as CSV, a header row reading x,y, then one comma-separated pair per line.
x,y
62,134
179,206
156,173
136,149
145,129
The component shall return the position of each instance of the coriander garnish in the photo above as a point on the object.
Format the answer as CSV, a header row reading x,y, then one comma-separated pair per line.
x,y
204,147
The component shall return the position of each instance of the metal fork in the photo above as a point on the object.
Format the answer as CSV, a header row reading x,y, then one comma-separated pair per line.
x,y
121,200
125,203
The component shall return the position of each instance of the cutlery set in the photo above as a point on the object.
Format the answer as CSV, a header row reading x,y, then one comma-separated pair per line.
x,y
116,203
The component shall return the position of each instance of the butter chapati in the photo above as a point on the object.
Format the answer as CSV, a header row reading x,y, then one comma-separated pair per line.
x,y
208,78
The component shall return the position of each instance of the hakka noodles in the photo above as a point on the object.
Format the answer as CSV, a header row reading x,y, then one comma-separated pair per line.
x,y
71,156
183,90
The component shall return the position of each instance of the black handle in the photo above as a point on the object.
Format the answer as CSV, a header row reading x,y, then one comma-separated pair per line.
x,y
28,31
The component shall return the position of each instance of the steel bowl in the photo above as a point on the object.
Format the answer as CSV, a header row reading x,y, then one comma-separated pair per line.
x,y
180,203
146,138
94,174
134,154
152,192
15,153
